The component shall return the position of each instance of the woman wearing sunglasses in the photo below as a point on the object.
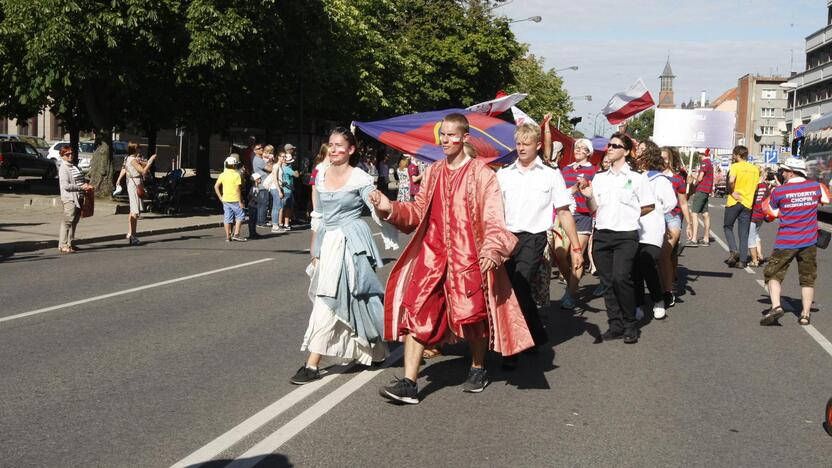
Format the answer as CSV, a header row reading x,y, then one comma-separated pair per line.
x,y
619,197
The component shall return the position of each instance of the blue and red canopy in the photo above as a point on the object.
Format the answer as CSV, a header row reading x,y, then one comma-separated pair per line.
x,y
418,134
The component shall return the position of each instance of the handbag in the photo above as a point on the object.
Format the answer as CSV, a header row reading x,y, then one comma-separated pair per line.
x,y
823,239
140,190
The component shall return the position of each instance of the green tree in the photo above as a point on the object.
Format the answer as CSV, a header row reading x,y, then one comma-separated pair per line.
x,y
640,127
545,90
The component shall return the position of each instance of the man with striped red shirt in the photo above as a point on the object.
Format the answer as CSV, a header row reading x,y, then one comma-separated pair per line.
x,y
704,181
796,204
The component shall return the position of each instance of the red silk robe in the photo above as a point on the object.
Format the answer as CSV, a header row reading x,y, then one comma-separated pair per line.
x,y
483,207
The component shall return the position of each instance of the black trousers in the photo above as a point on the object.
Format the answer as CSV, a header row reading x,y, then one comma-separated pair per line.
x,y
646,270
521,267
614,253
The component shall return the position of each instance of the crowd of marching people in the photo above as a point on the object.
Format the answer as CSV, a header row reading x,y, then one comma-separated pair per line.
x,y
479,263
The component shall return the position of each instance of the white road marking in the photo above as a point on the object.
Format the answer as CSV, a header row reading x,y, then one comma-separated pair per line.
x,y
718,240
810,329
377,234
274,441
129,291
242,430
750,270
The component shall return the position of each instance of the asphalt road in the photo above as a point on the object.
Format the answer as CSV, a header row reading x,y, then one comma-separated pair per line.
x,y
196,369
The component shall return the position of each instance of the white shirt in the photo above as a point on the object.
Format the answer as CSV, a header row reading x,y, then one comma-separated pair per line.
x,y
531,195
620,197
651,227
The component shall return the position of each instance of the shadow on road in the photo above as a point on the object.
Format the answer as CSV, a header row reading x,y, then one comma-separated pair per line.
x,y
274,460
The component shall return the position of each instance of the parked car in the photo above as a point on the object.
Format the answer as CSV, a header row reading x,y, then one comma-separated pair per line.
x,y
22,159
85,150
37,142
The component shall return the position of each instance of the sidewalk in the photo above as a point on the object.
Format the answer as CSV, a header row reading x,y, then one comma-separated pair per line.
x,y
31,222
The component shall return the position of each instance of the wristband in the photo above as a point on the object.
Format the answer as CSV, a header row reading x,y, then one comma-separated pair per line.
x,y
577,249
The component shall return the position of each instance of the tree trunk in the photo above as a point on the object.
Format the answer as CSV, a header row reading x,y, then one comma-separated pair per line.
x,y
98,104
203,163
152,137
74,138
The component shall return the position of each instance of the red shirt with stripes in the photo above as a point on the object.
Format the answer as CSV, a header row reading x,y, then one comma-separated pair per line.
x,y
706,185
570,177
798,202
760,195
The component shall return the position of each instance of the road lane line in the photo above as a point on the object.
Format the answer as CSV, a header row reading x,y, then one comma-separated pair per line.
x,y
750,270
129,291
245,428
718,240
274,441
810,329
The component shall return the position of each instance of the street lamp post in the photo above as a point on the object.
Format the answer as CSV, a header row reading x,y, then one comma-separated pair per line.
x,y
534,19
585,97
573,68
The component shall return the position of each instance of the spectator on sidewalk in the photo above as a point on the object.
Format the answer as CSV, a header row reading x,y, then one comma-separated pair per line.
x,y
415,176
403,176
796,204
253,197
73,186
742,184
287,181
704,181
273,185
261,168
137,170
229,191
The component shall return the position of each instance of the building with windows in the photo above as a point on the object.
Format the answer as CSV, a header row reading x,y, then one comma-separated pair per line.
x,y
761,113
814,85
43,125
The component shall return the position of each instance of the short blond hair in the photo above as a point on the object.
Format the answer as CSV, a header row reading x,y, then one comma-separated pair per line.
x,y
527,131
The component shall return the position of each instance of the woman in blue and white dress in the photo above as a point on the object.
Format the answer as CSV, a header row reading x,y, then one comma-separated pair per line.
x,y
347,314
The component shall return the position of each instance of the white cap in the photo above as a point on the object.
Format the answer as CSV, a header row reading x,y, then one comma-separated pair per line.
x,y
288,146
231,161
586,142
289,158
795,165
256,176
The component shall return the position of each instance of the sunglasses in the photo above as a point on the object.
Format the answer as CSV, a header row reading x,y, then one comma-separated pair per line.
x,y
615,146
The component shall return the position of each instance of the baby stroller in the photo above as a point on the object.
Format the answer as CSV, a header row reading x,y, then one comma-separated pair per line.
x,y
163,196
720,188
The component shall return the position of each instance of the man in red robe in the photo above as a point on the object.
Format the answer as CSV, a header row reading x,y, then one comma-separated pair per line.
x,y
449,283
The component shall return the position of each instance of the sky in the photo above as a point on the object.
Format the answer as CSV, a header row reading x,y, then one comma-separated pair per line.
x,y
711,43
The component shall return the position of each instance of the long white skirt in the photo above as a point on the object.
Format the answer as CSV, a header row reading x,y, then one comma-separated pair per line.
x,y
328,336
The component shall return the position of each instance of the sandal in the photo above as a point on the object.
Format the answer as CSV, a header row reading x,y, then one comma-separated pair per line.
x,y
430,353
771,317
805,319
65,250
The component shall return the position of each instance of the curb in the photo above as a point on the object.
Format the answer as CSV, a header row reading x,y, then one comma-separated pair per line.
x,y
20,247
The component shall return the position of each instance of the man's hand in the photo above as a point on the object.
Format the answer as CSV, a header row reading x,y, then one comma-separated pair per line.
x,y
736,196
689,232
577,259
547,118
242,206
486,265
585,187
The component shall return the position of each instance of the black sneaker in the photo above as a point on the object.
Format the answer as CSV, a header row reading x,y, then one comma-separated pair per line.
x,y
741,265
401,390
477,380
610,335
304,375
733,259
669,299
631,336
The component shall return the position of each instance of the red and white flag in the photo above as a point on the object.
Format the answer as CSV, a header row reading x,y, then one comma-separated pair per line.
x,y
521,117
628,103
497,106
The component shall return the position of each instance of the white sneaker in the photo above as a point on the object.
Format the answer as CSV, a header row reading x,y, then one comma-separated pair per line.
x,y
659,312
276,229
639,314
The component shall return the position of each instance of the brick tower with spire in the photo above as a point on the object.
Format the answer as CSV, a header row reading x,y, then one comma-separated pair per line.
x,y
666,92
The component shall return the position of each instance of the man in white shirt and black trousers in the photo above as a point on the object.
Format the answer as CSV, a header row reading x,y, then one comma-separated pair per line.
x,y
619,196
532,193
